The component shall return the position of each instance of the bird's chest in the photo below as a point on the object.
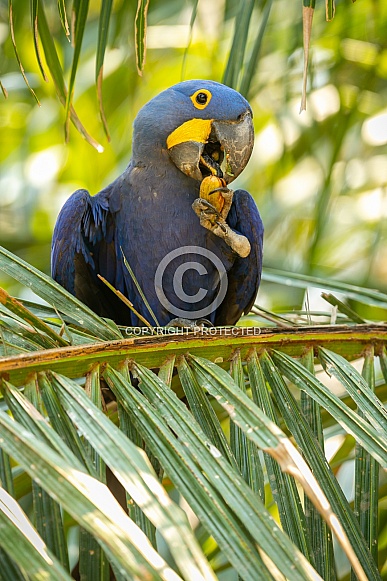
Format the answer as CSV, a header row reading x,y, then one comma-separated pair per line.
x,y
173,256
170,219
158,219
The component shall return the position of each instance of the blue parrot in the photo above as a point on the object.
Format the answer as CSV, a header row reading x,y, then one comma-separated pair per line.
x,y
191,259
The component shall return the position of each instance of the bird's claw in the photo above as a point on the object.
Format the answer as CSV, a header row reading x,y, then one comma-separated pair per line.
x,y
227,195
204,206
222,226
207,213
189,324
224,189
204,323
214,221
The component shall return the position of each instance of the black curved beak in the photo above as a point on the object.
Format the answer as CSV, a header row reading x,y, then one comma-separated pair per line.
x,y
224,152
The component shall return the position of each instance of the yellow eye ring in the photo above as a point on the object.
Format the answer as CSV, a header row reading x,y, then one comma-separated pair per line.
x,y
201,98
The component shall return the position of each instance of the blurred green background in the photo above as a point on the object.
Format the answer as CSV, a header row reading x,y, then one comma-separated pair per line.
x,y
319,178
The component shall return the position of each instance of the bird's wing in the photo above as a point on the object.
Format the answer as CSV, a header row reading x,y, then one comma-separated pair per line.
x,y
245,274
83,246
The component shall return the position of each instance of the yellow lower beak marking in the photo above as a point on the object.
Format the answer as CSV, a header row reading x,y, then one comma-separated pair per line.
x,y
194,130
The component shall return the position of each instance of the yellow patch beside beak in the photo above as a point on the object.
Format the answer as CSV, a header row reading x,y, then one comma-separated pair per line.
x,y
194,130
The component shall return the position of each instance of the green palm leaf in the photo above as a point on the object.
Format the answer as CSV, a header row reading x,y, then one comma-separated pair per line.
x,y
63,429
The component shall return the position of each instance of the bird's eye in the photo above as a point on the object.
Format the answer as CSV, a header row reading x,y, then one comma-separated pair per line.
x,y
201,98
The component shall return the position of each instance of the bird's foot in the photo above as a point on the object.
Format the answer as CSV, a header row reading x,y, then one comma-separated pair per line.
x,y
213,220
207,213
180,322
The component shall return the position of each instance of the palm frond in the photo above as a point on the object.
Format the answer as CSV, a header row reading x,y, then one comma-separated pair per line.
x,y
220,450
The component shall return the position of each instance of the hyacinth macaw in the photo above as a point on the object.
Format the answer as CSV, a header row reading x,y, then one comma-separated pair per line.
x,y
191,259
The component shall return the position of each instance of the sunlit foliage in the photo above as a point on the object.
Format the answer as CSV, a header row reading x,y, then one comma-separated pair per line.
x,y
318,177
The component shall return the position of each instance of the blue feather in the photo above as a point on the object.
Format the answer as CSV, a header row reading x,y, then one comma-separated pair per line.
x,y
146,213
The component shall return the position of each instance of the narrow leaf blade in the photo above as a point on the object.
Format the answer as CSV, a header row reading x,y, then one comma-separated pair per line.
x,y
20,540
103,29
140,34
53,293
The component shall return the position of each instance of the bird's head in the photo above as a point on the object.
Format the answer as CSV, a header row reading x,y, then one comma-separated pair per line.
x,y
205,126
